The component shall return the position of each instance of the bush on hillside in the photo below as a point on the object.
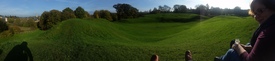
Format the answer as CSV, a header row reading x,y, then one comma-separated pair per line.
x,y
44,22
49,19
12,30
67,13
11,20
16,21
87,15
55,16
103,14
96,14
30,23
114,16
80,13
125,11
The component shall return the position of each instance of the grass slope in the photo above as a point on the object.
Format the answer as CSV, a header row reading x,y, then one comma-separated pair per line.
x,y
136,40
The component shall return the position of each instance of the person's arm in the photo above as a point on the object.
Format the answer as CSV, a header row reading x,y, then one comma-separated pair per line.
x,y
263,49
239,48
236,42
247,48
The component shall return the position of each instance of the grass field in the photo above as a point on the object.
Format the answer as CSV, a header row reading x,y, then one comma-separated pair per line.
x,y
134,40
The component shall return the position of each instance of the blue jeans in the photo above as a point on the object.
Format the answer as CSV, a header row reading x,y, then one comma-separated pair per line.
x,y
230,55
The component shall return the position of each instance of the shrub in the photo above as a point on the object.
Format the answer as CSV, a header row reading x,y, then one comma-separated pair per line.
x,y
12,30
67,13
103,14
80,12
29,23
49,19
43,24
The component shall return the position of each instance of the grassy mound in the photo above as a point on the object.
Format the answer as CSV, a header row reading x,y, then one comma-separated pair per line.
x,y
136,40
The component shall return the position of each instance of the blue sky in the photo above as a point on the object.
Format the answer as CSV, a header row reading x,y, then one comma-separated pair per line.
x,y
24,8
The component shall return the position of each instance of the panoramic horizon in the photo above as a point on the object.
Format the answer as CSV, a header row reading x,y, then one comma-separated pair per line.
x,y
135,30
26,8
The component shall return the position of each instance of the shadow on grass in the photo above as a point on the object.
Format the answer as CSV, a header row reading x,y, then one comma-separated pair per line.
x,y
1,51
20,53
183,20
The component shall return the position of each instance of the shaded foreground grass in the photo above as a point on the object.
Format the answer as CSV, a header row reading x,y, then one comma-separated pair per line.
x,y
101,40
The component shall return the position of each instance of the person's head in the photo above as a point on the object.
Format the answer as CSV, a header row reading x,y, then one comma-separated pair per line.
x,y
24,44
154,58
262,9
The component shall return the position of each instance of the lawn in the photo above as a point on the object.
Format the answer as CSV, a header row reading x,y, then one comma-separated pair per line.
x,y
134,40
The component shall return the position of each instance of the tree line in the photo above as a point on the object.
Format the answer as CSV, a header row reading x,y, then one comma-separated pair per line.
x,y
125,11
199,9
50,18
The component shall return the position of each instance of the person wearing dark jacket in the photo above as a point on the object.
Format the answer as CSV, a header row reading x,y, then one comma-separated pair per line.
x,y
263,39
262,42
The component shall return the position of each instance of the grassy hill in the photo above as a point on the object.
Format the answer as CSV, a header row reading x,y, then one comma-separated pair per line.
x,y
135,40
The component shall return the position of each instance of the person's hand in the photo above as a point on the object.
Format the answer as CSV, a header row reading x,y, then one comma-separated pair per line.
x,y
238,48
248,48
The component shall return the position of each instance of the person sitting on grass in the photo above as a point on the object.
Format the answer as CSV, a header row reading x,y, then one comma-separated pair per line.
x,y
263,39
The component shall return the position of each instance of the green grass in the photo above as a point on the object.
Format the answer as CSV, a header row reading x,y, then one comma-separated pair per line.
x,y
135,40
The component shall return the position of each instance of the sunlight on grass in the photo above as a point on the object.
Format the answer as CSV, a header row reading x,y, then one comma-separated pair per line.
x,y
101,40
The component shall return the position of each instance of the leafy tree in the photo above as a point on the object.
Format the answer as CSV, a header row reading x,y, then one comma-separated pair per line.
x,y
215,11
80,12
106,14
180,9
155,11
164,9
68,10
49,19
96,14
43,24
114,16
227,11
29,23
103,14
207,9
67,13
125,11
150,10
87,14
55,16
16,21
201,9
237,11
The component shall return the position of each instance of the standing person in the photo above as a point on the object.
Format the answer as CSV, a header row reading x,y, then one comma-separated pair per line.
x,y
263,40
